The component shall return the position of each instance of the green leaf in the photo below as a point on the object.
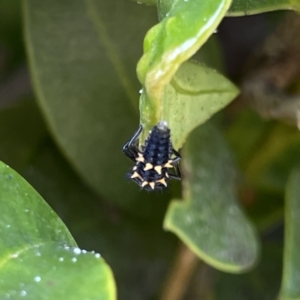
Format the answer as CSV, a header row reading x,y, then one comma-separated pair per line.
x,y
290,289
249,7
38,256
82,56
191,98
185,28
209,219
260,283
51,271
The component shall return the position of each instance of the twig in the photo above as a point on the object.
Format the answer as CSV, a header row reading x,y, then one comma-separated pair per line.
x,y
179,278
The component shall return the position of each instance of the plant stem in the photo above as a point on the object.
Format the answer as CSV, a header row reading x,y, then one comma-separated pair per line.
x,y
180,275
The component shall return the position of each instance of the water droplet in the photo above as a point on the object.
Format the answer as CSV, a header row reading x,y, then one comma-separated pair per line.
x,y
74,259
76,250
83,251
37,278
97,255
141,91
23,293
61,259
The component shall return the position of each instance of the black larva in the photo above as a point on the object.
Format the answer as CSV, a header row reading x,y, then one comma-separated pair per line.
x,y
154,160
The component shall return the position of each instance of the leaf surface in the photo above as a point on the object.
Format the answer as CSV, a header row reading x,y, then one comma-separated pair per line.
x,y
185,26
209,219
195,93
82,56
38,256
250,7
290,288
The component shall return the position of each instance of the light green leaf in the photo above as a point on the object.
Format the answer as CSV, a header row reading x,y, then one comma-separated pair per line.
x,y
191,98
250,7
290,288
82,56
208,219
38,256
54,272
185,28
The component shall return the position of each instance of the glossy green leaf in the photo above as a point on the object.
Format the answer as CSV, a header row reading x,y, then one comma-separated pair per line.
x,y
82,56
26,219
54,272
185,28
39,257
209,219
290,289
249,7
191,98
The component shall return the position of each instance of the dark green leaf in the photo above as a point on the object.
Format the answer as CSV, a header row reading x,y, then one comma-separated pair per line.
x,y
209,219
249,7
82,56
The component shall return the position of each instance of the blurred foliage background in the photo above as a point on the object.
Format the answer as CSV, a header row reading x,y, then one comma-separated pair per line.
x,y
69,148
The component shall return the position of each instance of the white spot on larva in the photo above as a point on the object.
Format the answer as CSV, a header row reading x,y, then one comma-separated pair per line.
x,y
74,259
15,255
83,251
97,255
162,125
37,254
8,226
61,259
37,278
76,250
